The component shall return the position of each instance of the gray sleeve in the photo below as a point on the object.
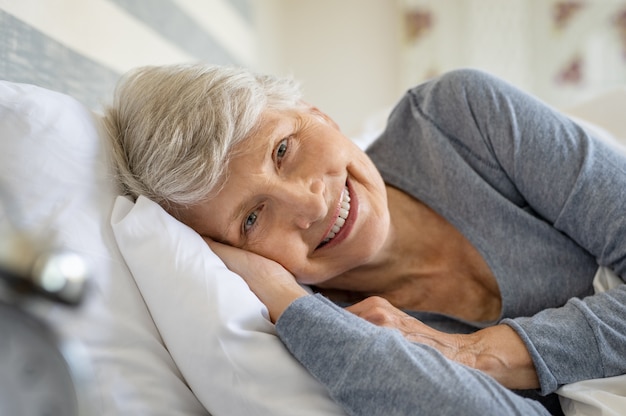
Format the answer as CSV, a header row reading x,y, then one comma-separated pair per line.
x,y
371,370
574,182
582,340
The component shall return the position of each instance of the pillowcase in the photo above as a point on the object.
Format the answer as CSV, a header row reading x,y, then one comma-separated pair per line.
x,y
214,327
597,397
54,170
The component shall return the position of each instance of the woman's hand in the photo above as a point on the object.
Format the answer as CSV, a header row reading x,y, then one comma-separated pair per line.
x,y
270,281
497,351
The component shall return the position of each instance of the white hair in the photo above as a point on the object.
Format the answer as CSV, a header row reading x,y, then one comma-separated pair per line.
x,y
172,128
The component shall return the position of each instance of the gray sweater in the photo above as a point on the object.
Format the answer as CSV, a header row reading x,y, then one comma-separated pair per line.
x,y
541,200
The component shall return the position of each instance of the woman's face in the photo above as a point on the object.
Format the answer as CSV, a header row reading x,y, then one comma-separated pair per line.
x,y
302,194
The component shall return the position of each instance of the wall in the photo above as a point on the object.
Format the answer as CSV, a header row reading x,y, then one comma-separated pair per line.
x,y
346,53
356,56
561,50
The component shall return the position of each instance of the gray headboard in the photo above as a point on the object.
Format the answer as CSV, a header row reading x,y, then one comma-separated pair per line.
x,y
29,55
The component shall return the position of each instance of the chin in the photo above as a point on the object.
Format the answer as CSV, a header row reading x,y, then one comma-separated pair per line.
x,y
366,255
371,244
323,274
356,252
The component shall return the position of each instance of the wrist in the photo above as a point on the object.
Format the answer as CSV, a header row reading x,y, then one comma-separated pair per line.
x,y
502,354
279,300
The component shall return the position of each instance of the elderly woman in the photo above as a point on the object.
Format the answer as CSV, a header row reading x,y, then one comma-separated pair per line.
x,y
479,211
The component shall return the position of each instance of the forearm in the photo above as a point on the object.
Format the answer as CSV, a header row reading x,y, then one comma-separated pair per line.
x,y
374,370
497,351
583,340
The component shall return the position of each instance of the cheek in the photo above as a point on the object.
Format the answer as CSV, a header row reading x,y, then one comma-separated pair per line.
x,y
371,173
294,258
289,253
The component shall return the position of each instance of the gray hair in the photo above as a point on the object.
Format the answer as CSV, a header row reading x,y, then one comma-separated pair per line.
x,y
172,128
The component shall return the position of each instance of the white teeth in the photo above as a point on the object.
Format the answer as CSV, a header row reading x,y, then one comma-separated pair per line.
x,y
344,211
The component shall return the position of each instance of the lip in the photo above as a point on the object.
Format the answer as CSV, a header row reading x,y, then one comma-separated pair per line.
x,y
344,232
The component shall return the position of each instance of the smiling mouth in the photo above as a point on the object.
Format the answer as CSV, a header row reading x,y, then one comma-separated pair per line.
x,y
344,212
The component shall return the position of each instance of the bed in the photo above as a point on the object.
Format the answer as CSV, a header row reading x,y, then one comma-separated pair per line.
x,y
164,327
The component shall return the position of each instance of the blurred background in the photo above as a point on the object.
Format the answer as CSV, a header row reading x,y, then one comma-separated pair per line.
x,y
354,58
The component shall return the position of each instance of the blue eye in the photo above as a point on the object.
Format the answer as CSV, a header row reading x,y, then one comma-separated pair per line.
x,y
281,149
250,221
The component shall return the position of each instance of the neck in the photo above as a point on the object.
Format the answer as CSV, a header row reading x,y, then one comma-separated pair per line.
x,y
425,264
415,246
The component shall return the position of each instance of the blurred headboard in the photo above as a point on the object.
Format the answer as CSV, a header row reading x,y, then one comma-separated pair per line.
x,y
80,48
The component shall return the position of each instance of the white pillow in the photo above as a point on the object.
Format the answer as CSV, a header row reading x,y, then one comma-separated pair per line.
x,y
54,169
597,397
212,324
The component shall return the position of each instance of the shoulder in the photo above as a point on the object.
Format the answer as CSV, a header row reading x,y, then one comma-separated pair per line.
x,y
458,89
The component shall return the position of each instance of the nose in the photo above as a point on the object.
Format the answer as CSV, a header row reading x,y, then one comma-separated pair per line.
x,y
304,202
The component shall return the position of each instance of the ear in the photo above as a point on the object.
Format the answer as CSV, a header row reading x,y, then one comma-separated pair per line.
x,y
319,113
